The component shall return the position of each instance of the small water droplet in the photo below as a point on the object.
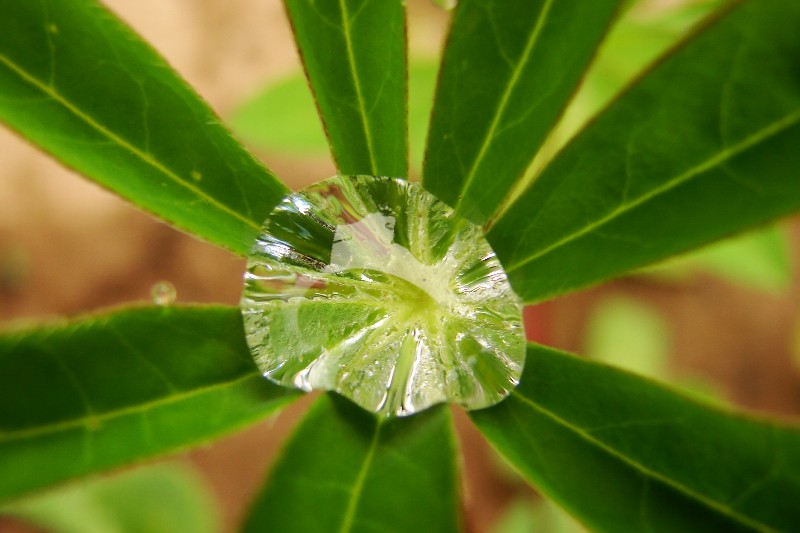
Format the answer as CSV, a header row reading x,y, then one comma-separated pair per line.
x,y
163,293
393,306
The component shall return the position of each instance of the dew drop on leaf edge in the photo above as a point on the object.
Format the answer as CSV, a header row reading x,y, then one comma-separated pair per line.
x,y
163,293
373,288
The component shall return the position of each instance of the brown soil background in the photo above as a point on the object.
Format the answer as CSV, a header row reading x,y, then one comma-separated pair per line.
x,y
68,247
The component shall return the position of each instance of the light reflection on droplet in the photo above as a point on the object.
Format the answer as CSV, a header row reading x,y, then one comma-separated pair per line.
x,y
163,293
373,288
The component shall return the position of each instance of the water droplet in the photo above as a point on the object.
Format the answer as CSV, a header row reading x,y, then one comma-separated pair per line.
x,y
163,293
402,303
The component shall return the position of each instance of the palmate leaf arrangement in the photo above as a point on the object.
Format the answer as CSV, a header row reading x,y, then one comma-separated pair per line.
x,y
703,145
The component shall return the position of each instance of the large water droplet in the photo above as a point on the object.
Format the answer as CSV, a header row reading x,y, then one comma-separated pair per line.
x,y
373,288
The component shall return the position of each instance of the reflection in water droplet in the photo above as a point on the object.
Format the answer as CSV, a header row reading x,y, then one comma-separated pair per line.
x,y
373,288
163,293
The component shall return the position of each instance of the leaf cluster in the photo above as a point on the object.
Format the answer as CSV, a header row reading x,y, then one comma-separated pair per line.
x,y
701,146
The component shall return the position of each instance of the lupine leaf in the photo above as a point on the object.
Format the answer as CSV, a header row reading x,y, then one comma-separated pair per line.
x,y
344,471
354,55
77,82
109,390
281,117
623,453
700,148
508,71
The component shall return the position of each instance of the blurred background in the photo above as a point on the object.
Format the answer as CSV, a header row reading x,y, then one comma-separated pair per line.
x,y
723,322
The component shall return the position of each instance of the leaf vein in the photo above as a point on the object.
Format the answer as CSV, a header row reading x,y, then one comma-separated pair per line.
x,y
717,160
721,507
95,420
515,76
358,486
144,156
357,85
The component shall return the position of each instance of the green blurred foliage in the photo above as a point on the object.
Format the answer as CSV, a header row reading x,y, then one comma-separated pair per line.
x,y
760,260
161,498
282,117
630,334
627,333
536,516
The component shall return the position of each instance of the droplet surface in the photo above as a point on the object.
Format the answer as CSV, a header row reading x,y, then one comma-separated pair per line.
x,y
373,288
163,293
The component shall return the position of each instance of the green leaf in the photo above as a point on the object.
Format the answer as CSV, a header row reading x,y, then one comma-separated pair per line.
x,y
354,55
642,34
77,82
508,71
282,117
162,498
346,471
625,454
110,390
702,147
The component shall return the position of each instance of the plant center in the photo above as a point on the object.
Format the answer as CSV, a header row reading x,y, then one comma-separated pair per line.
x,y
373,288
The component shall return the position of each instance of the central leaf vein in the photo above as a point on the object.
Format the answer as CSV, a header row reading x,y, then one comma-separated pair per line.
x,y
95,420
144,156
721,507
492,131
714,161
358,486
362,108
